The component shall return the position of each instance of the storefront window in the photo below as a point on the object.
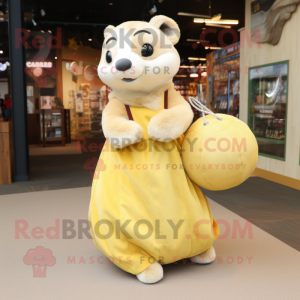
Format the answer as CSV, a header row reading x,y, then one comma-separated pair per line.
x,y
4,67
61,71
268,91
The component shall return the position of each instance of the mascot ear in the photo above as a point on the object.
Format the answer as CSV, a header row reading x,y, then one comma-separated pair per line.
x,y
168,26
108,31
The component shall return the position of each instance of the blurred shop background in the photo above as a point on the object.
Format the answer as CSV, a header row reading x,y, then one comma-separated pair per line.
x,y
65,97
48,61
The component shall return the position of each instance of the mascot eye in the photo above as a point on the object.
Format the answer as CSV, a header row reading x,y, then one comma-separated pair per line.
x,y
108,57
147,50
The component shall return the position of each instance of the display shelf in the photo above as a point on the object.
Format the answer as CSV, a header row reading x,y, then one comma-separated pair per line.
x,y
225,80
221,98
54,126
262,116
188,87
270,76
225,86
269,140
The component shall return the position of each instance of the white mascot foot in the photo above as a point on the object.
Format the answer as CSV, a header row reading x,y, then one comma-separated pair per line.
x,y
204,258
152,274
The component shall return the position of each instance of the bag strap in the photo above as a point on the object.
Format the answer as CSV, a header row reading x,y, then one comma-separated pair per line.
x,y
203,109
129,114
166,100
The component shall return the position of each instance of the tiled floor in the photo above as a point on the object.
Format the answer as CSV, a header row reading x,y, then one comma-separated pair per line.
x,y
272,207
53,172
246,268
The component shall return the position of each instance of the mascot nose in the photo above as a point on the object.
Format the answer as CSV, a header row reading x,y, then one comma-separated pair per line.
x,y
123,64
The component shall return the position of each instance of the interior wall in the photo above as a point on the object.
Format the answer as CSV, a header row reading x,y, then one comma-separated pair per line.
x,y
3,89
288,48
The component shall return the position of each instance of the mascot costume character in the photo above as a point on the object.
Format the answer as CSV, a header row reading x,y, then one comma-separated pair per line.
x,y
146,206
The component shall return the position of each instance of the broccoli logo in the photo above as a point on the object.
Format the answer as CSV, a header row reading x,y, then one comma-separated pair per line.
x,y
39,258
94,166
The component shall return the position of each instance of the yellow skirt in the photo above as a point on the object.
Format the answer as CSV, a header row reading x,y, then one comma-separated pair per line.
x,y
144,208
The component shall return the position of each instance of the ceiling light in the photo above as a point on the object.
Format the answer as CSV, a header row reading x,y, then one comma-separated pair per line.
x,y
1,51
49,31
210,21
216,25
197,41
204,74
55,57
196,58
188,67
7,63
111,4
42,31
90,40
213,48
192,15
216,17
194,75
192,67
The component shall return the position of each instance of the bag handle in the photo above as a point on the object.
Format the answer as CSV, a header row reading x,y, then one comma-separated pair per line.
x,y
203,109
129,114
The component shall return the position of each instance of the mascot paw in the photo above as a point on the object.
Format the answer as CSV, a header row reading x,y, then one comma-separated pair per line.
x,y
163,127
132,134
152,274
205,258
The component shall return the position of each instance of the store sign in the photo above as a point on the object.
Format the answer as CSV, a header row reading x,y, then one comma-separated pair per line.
x,y
280,69
230,50
268,18
37,64
269,71
219,54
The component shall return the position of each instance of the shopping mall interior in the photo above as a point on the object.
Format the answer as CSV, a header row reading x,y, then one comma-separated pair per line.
x,y
237,57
